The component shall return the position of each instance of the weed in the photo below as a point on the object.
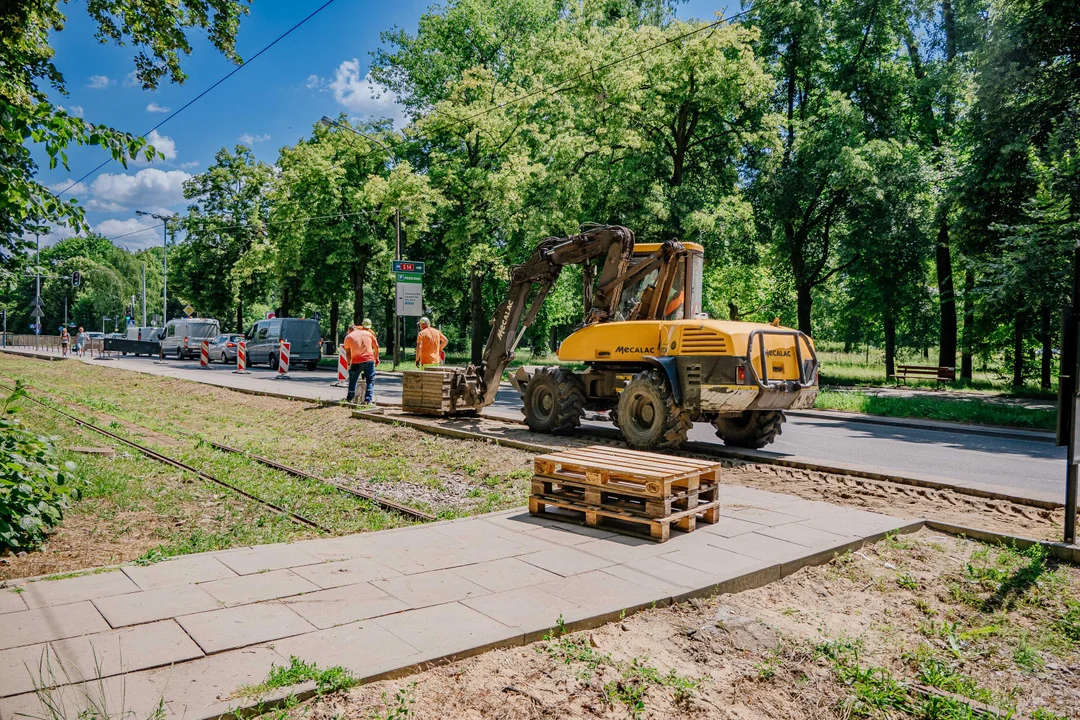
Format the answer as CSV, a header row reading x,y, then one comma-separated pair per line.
x,y
298,671
789,611
894,540
1069,624
403,702
1044,714
1027,657
907,581
924,607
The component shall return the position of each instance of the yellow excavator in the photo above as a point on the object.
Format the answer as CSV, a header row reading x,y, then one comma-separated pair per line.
x,y
652,359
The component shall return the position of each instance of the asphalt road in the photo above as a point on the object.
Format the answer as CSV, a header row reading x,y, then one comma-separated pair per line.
x,y
991,460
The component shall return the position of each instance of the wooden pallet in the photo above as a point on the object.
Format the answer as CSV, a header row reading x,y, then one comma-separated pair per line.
x,y
604,497
427,392
616,519
628,471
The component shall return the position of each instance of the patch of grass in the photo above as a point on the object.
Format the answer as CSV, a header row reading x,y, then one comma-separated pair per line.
x,y
298,671
402,704
938,407
907,581
77,573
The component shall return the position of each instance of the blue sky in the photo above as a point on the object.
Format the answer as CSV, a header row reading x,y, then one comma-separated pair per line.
x,y
318,70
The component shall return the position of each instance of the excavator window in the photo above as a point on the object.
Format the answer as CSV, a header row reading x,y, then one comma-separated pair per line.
x,y
673,308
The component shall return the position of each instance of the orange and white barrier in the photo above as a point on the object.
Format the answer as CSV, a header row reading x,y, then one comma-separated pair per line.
x,y
283,359
241,358
204,353
342,366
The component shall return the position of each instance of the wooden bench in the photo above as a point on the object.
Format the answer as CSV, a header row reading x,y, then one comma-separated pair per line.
x,y
939,374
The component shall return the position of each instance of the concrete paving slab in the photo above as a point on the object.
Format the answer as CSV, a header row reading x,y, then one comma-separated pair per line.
x,y
365,648
11,601
596,589
760,516
246,561
345,572
351,547
494,533
346,604
760,547
151,605
505,574
528,609
430,588
448,629
50,623
568,534
566,561
622,548
715,562
179,571
23,668
730,527
124,651
802,534
189,687
246,589
830,523
60,592
450,553
237,627
662,575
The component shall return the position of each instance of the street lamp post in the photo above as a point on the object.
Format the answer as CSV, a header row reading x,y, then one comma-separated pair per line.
x,y
164,261
397,225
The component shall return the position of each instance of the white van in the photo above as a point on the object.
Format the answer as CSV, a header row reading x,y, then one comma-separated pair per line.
x,y
194,329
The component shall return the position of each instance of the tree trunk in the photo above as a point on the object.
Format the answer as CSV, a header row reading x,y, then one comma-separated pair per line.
x,y
389,307
335,312
1047,347
946,294
240,315
358,271
286,301
476,312
806,303
1018,350
890,343
969,325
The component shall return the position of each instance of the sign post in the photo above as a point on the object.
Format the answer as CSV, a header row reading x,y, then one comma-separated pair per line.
x,y
1069,399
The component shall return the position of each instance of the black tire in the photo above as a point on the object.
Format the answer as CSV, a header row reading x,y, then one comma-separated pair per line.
x,y
554,401
272,361
647,415
750,429
311,364
179,354
224,358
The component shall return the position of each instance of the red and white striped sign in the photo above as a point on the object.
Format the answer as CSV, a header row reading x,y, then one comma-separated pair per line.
x,y
204,354
283,358
241,357
342,366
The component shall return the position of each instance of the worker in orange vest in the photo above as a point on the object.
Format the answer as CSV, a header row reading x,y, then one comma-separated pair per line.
x,y
369,328
429,344
360,355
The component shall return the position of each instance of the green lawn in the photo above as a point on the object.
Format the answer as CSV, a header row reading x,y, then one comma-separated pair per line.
x,y
938,407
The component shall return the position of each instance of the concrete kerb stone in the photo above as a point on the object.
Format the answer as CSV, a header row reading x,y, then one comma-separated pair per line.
x,y
1061,551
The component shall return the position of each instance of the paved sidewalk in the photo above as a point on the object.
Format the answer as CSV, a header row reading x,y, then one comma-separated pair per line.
x,y
190,631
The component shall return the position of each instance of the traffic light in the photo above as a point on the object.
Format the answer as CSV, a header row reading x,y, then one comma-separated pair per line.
x,y
76,278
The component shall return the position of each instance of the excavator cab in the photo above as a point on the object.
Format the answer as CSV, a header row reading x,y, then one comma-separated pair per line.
x,y
683,299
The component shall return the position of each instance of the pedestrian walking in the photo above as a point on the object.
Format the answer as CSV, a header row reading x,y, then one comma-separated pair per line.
x,y
429,344
360,355
65,340
81,341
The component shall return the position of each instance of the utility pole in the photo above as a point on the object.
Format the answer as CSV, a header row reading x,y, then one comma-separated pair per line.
x,y
397,256
143,295
37,291
164,260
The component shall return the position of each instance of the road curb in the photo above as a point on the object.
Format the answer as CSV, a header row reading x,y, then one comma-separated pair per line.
x,y
1061,551
1010,433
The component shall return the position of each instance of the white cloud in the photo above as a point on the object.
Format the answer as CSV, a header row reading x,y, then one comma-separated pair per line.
x,y
363,96
162,143
132,80
249,139
99,82
314,82
149,189
154,107
138,232
190,164
56,234
76,110
76,189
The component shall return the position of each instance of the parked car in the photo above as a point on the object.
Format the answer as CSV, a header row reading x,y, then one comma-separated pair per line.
x,y
115,335
195,330
95,335
143,333
225,348
302,334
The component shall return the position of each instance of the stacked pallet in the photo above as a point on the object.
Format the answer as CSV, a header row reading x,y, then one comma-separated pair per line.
x,y
621,489
428,392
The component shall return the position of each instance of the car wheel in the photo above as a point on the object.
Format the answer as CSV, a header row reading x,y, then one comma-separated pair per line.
x,y
179,354
272,361
224,359
312,364
751,428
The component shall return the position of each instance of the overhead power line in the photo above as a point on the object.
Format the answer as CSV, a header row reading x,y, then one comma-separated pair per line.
x,y
198,97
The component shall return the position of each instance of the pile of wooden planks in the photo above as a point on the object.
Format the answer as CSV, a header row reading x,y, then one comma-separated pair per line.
x,y
622,489
428,392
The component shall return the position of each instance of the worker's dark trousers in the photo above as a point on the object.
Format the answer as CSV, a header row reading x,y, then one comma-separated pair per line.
x,y
368,371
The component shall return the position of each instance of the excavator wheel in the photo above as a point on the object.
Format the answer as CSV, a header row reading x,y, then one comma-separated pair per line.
x,y
751,428
554,401
648,416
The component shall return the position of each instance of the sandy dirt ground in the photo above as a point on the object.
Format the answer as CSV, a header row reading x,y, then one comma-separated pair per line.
x,y
921,626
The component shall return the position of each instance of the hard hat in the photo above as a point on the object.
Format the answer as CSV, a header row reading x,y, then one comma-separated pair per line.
x,y
367,322
424,321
